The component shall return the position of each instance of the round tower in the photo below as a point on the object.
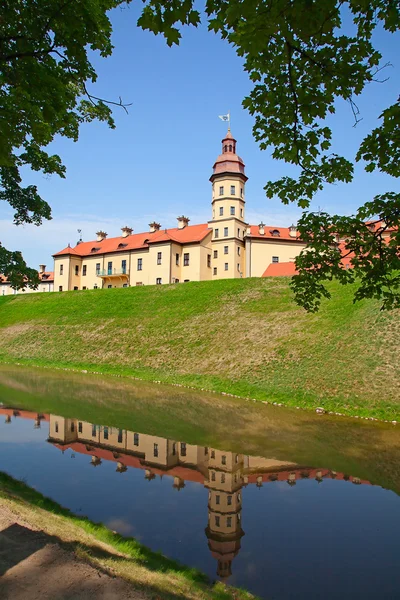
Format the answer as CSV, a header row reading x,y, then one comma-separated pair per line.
x,y
228,182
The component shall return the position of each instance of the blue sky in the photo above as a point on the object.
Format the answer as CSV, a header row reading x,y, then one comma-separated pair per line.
x,y
157,163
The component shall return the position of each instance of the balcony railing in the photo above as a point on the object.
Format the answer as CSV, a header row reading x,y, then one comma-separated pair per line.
x,y
112,272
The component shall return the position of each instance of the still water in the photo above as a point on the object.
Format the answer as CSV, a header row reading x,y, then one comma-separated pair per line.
x,y
282,503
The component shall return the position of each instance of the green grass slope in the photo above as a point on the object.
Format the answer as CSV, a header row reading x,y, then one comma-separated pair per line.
x,y
245,337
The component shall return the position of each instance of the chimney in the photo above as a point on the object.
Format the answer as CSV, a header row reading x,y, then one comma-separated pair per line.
x,y
126,231
261,230
101,235
293,231
42,268
182,222
248,230
154,227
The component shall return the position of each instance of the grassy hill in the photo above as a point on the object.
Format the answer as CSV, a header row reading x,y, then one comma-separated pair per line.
x,y
245,337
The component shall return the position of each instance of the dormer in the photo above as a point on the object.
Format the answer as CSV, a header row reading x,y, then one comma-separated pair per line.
x,y
275,233
261,228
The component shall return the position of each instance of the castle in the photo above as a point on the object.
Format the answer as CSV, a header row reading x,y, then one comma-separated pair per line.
x,y
226,247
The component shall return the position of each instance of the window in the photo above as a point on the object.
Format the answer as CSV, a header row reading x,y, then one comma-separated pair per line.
x,y
124,285
123,266
61,269
217,521
80,427
215,271
84,287
106,433
241,212
95,286
120,436
275,233
75,288
238,497
222,477
221,211
275,259
186,259
136,439
226,249
226,231
159,257
215,253
217,498
186,280
59,288
206,450
76,269
233,190
238,267
229,521
177,259
109,286
209,260
238,232
229,499
176,280
238,250
223,459
216,233
226,266
230,147
139,264
221,190
84,270
109,268
237,458
212,453
158,281
94,428
241,192
183,449
97,268
212,474
232,210
56,427
173,449
155,452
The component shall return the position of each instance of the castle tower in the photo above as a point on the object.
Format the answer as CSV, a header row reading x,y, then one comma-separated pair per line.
x,y
224,530
228,212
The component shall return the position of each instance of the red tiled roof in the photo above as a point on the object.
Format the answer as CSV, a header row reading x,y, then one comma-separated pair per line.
x,y
284,269
47,276
136,241
268,229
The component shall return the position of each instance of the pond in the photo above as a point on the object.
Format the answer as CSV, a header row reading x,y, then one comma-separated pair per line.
x,y
284,503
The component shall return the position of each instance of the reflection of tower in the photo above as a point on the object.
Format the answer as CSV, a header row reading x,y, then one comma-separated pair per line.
x,y
224,530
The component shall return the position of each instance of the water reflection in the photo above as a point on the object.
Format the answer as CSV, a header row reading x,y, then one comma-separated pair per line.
x,y
223,473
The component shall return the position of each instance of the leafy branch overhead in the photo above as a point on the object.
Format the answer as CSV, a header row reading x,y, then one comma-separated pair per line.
x,y
301,61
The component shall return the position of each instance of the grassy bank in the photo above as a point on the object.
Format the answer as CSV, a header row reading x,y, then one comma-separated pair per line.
x,y
151,573
244,337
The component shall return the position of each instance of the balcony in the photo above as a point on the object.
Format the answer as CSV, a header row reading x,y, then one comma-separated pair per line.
x,y
113,273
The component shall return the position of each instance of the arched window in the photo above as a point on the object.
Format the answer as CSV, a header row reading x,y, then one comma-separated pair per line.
x,y
230,147
275,233
225,148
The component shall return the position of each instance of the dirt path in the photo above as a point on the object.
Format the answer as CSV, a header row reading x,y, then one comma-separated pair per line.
x,y
34,566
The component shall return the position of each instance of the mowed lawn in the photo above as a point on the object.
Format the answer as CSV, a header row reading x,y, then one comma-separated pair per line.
x,y
245,337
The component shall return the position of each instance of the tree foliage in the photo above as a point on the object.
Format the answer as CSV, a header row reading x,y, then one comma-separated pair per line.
x,y
302,55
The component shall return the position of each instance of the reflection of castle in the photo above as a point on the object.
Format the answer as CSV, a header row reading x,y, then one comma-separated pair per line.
x,y
223,473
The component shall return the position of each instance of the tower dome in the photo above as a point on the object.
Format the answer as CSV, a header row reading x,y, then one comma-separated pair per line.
x,y
228,161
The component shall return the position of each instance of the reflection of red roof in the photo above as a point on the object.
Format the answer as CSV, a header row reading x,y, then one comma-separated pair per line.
x,y
137,241
23,414
285,269
130,460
